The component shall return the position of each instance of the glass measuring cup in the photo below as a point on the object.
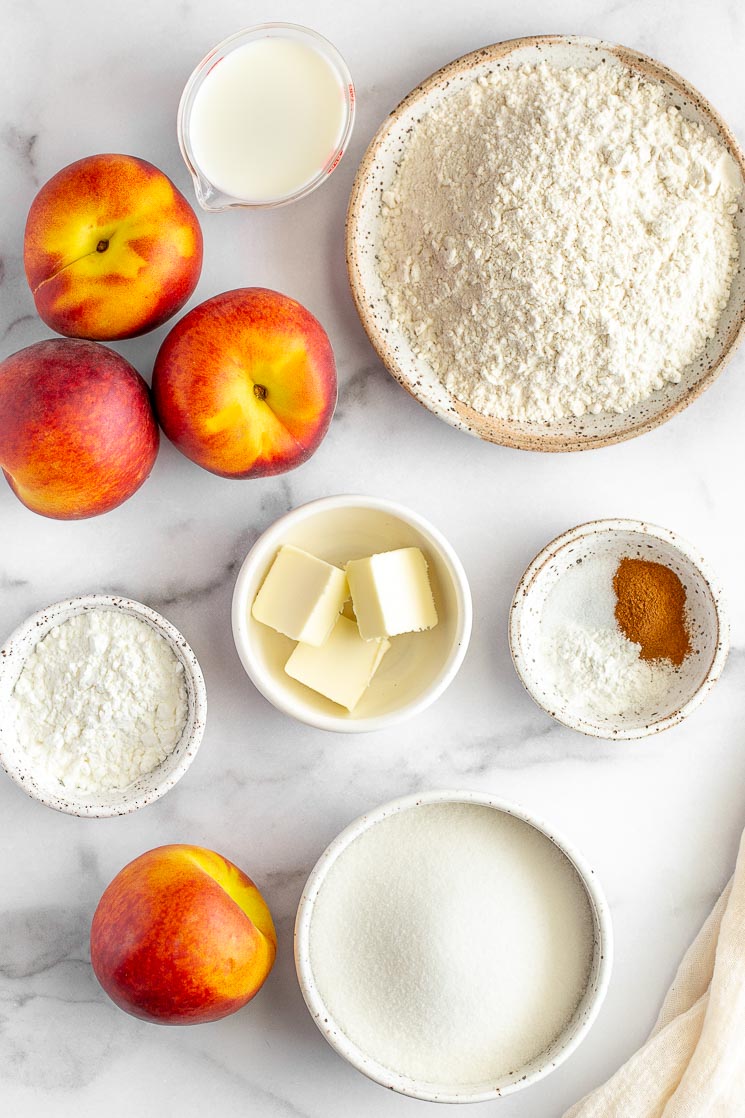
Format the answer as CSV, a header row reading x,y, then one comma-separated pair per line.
x,y
210,196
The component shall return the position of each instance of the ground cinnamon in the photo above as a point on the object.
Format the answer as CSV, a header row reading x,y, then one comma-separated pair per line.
x,y
650,609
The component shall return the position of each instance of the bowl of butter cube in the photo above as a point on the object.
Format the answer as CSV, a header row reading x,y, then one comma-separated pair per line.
x,y
351,613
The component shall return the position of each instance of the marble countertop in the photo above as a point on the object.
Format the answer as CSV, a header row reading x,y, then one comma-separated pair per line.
x,y
659,820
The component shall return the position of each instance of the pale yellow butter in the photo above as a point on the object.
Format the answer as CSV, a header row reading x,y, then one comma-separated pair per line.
x,y
301,596
341,669
391,593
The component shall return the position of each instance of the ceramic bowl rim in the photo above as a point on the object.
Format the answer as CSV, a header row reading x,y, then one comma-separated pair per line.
x,y
655,531
70,607
470,421
282,699
602,957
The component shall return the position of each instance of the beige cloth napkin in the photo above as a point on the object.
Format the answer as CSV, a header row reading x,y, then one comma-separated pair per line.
x,y
693,1064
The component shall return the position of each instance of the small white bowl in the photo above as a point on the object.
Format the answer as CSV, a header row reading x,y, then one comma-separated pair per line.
x,y
147,788
418,666
562,1047
616,539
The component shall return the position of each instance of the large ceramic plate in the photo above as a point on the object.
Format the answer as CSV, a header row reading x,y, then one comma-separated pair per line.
x,y
375,174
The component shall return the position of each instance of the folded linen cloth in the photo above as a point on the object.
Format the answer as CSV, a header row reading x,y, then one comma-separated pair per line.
x,y
693,1064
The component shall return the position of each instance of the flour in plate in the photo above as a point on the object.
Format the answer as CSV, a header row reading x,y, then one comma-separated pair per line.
x,y
559,242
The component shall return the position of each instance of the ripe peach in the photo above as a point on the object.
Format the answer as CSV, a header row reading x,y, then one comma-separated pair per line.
x,y
111,248
245,383
77,431
181,936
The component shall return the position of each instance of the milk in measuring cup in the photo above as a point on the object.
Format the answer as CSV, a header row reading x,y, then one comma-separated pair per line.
x,y
267,119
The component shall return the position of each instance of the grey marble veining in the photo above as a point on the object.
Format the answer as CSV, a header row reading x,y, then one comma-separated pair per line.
x,y
658,820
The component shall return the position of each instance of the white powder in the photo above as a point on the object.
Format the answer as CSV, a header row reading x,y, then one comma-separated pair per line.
x,y
558,242
599,672
100,701
588,664
451,943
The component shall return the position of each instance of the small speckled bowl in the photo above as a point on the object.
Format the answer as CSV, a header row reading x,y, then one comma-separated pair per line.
x,y
418,666
376,174
141,792
561,1048
616,539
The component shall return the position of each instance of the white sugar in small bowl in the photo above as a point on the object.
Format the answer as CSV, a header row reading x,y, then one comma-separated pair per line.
x,y
613,540
416,669
147,788
520,1077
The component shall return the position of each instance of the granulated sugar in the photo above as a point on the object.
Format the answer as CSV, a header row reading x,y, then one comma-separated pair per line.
x,y
452,943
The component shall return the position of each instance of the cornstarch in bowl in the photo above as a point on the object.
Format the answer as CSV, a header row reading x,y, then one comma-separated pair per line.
x,y
100,701
452,947
103,705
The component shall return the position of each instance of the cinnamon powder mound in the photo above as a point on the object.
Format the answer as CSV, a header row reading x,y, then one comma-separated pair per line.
x,y
650,609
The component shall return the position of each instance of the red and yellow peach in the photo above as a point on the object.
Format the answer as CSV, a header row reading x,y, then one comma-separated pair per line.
x,y
77,431
245,383
112,249
181,936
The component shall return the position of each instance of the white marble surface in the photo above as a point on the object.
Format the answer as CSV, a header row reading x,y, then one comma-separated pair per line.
x,y
659,820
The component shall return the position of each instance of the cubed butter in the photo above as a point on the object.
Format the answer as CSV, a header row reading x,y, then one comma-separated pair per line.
x,y
391,593
341,669
301,596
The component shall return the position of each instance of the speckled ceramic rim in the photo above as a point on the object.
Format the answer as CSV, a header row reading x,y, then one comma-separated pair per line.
x,y
548,555
456,413
429,1092
279,696
153,785
260,31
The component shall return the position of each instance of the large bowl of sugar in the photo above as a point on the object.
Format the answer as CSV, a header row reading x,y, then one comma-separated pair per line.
x,y
452,947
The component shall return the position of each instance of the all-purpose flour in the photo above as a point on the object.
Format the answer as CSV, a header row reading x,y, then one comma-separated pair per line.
x,y
557,242
451,942
100,701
